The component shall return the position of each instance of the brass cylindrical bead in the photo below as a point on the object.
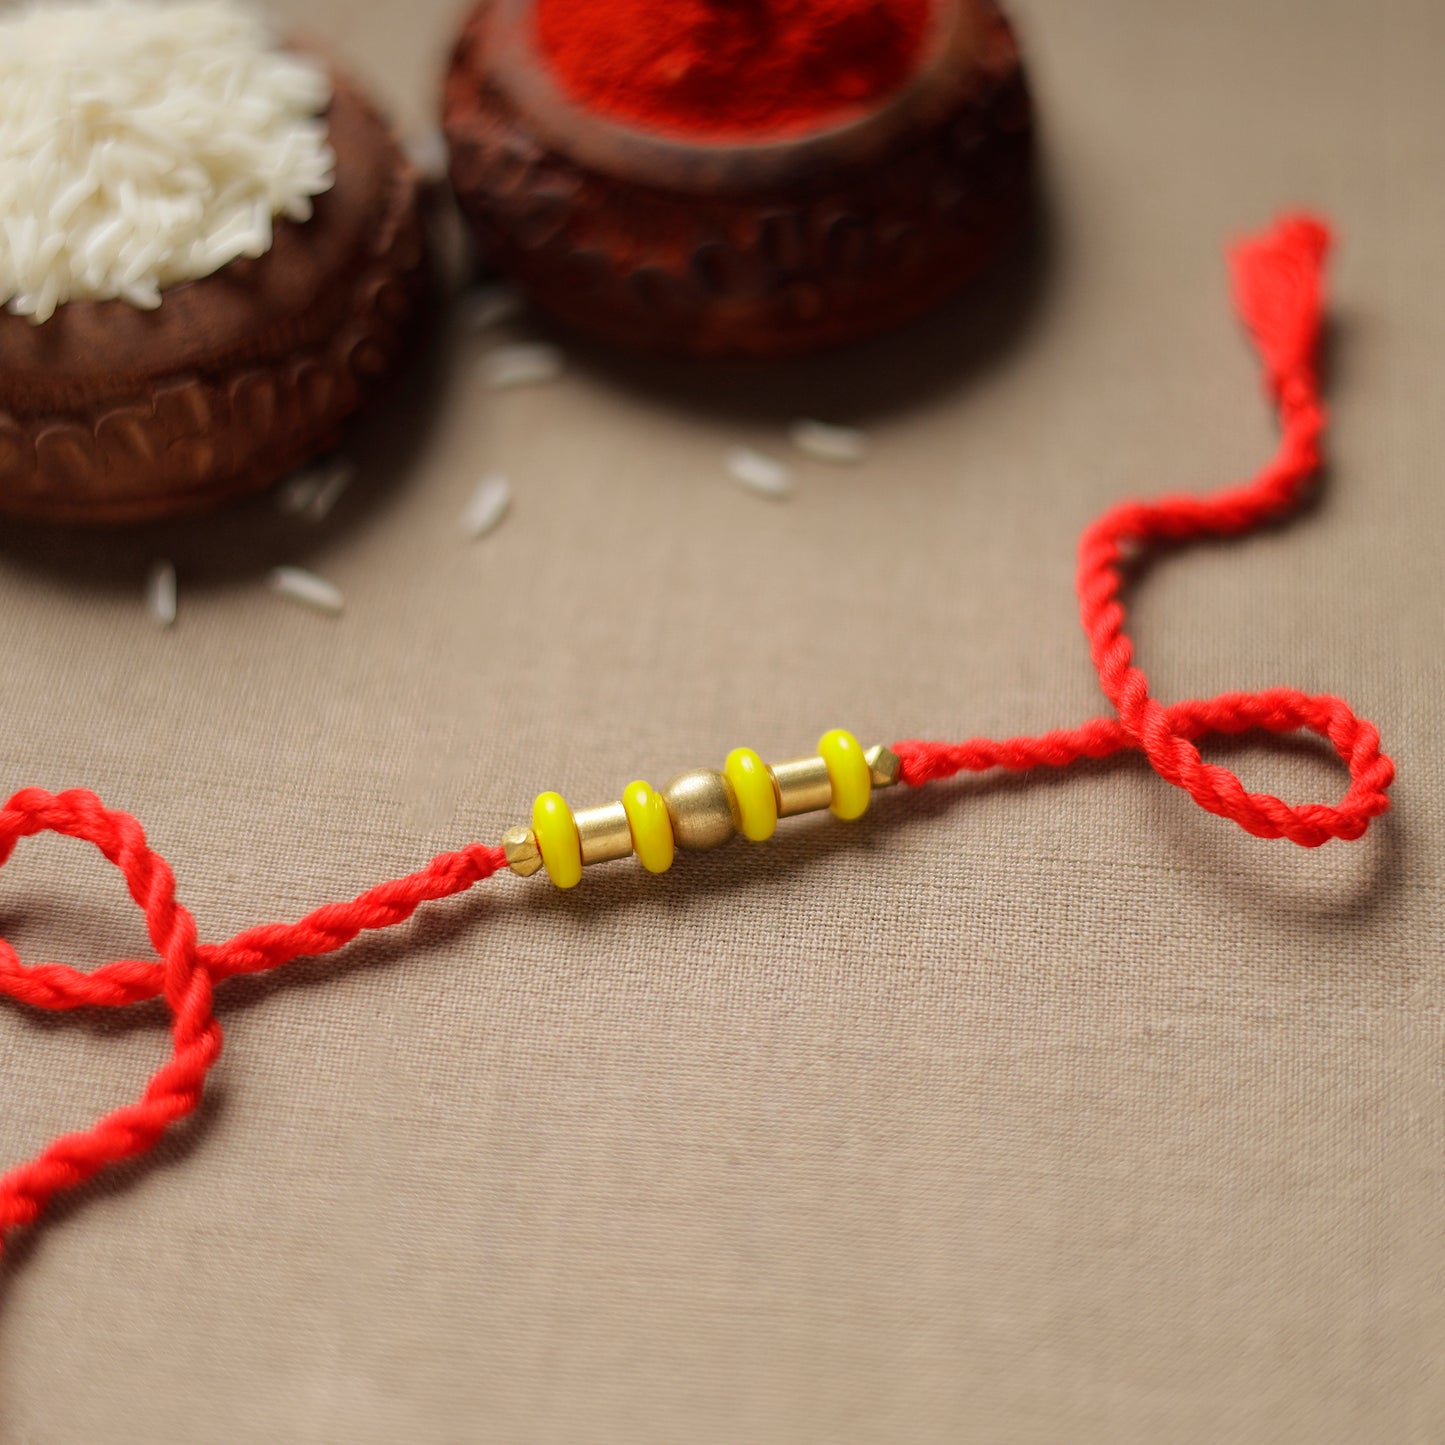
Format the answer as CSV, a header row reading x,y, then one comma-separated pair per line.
x,y
604,833
703,810
803,786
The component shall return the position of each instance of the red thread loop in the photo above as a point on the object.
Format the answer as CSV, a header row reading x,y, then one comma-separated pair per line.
x,y
1277,286
185,976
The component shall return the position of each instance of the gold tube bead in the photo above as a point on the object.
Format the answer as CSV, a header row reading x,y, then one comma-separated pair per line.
x,y
803,786
604,833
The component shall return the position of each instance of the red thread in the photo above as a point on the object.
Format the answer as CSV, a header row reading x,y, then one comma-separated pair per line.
x,y
1277,290
185,976
712,68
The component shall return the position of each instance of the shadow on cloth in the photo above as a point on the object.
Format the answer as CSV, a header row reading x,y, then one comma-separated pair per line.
x,y
175,1147
944,351
250,537
868,381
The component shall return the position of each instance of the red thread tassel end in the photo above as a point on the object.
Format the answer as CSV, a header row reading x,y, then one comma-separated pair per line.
x,y
1279,294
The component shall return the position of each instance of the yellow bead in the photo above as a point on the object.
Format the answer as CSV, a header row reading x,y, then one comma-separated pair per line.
x,y
557,837
848,771
753,788
651,827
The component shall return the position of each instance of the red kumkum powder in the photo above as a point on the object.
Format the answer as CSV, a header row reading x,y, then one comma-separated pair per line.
x,y
731,68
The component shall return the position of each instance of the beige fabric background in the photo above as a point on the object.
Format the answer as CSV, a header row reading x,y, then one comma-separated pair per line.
x,y
1033,1111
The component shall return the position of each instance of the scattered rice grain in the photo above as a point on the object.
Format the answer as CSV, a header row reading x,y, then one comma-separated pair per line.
x,y
527,363
764,475
312,493
827,443
161,593
306,587
485,307
336,476
428,153
298,491
488,506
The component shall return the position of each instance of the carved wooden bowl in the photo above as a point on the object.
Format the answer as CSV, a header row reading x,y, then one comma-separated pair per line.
x,y
113,414
759,249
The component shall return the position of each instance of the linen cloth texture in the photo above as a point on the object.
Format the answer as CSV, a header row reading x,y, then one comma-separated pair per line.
x,y
1019,1111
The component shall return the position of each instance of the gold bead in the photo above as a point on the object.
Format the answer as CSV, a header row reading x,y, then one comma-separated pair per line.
x,y
703,810
885,767
604,833
803,786
524,857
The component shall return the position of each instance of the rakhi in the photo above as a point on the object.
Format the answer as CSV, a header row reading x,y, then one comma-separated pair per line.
x,y
1277,286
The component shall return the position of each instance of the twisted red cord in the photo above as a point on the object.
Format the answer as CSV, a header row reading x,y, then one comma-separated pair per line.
x,y
1277,289
185,976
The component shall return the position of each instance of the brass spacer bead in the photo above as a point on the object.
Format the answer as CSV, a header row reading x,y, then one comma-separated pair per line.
x,y
703,810
885,767
524,857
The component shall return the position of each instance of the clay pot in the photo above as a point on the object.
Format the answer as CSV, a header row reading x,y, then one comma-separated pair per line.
x,y
113,414
756,250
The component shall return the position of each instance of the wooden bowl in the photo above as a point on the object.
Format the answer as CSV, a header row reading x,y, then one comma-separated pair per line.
x,y
113,414
756,249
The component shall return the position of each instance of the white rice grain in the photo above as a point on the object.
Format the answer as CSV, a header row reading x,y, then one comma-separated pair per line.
x,y
489,504
485,307
762,474
336,476
312,493
842,444
528,363
161,593
298,491
429,155
307,588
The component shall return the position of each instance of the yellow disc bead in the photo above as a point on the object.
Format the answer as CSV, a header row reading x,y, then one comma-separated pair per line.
x,y
753,788
557,838
848,771
652,839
